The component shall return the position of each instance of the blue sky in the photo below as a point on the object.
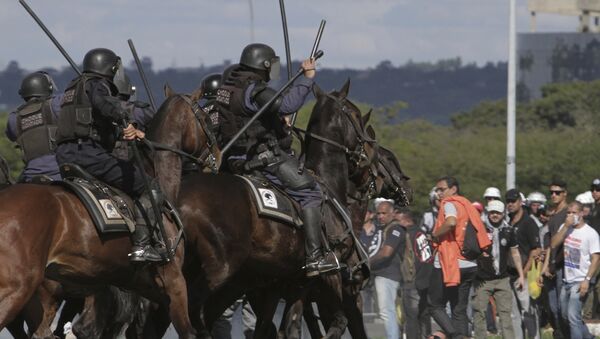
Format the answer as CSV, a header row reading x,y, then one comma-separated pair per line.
x,y
188,33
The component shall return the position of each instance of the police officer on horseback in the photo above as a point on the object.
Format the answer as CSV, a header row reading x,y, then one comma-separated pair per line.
x,y
266,145
33,127
91,121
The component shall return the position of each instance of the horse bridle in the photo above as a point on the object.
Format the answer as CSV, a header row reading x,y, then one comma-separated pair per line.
x,y
207,158
398,188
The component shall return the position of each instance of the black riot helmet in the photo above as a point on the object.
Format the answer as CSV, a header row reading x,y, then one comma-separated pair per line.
x,y
210,85
101,61
38,84
261,57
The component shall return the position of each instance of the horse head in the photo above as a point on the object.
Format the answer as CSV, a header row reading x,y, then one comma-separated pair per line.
x,y
340,121
180,129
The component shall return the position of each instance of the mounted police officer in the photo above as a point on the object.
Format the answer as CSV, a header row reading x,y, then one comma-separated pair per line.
x,y
93,112
266,145
33,126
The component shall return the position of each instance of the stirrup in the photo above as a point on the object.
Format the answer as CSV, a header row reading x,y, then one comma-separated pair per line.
x,y
145,253
322,264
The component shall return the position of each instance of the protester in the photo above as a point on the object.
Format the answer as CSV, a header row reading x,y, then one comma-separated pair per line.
x,y
553,262
453,274
417,258
525,320
385,266
581,258
492,277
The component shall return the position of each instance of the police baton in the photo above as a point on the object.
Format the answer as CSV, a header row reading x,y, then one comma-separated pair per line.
x,y
142,74
49,34
312,55
286,40
224,150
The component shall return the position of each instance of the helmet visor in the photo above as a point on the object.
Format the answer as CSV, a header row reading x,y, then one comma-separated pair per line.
x,y
121,80
275,69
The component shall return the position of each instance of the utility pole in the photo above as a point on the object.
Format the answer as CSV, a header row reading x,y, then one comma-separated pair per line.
x,y
511,103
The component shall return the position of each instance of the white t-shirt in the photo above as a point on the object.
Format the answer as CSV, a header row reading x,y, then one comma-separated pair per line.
x,y
579,245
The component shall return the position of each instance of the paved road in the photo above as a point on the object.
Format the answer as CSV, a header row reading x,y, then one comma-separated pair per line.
x,y
374,330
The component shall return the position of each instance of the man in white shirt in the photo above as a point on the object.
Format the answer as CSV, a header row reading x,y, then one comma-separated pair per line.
x,y
581,258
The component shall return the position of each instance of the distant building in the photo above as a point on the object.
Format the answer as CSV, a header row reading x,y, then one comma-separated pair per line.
x,y
555,57
558,57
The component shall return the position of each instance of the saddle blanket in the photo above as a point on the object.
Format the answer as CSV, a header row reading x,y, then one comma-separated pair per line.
x,y
272,202
110,209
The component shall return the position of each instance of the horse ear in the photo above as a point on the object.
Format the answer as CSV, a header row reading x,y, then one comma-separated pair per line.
x,y
345,89
371,132
317,91
365,118
168,90
197,94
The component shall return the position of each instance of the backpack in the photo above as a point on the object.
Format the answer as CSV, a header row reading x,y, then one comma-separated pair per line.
x,y
471,249
408,268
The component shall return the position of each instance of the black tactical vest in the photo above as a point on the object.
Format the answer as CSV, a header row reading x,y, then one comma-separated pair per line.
x,y
36,128
78,120
233,115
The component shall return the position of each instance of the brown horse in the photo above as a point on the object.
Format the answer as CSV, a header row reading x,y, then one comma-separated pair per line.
x,y
230,250
46,231
391,183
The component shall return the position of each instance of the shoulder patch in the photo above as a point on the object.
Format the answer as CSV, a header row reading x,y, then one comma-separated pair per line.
x,y
396,233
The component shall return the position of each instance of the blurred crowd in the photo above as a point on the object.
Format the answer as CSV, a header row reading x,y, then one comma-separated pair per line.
x,y
512,265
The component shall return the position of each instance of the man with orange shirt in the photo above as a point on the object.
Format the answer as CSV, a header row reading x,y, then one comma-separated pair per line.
x,y
452,273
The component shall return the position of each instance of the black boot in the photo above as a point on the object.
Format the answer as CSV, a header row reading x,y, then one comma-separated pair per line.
x,y
316,263
142,250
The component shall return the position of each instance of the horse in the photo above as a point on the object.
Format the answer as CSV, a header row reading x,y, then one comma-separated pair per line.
x,y
61,242
391,183
228,254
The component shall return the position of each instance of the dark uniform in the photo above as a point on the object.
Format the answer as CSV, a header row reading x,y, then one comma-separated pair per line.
x,y
266,145
33,127
92,117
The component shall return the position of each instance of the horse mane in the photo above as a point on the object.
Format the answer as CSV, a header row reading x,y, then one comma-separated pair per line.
x,y
160,115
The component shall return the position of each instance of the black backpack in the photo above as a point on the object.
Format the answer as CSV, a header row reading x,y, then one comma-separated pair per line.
x,y
471,250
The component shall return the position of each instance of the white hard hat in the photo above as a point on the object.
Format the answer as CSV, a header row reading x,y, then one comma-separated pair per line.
x,y
492,192
495,206
585,198
536,197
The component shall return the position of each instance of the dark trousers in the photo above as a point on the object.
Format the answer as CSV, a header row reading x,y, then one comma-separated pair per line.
x,y
458,296
103,165
416,312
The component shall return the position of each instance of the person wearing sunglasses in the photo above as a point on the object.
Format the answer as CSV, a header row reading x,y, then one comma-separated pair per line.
x,y
524,314
552,271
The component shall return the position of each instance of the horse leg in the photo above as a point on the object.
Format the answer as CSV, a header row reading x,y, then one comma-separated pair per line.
x,y
353,310
291,322
312,322
332,298
264,304
14,297
17,329
50,296
175,287
89,325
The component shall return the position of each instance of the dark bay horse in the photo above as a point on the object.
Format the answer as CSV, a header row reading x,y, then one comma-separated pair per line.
x,y
230,250
391,183
46,231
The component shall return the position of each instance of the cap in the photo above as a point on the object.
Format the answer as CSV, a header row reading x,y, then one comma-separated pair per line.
x,y
495,206
492,192
512,194
595,183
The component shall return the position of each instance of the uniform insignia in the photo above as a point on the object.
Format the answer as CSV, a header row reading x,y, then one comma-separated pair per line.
x,y
223,96
69,96
32,121
109,209
268,197
396,233
503,242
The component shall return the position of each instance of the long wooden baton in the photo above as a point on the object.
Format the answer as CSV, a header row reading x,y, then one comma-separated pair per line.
x,y
142,74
